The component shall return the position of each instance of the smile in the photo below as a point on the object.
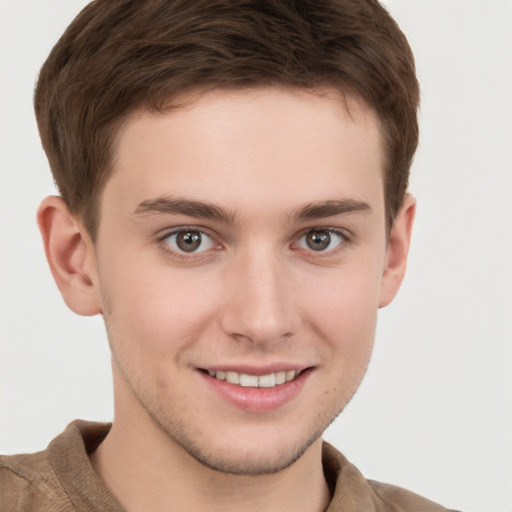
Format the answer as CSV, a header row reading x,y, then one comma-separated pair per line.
x,y
254,381
257,390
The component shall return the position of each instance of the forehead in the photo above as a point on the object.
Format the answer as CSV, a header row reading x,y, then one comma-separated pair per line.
x,y
267,143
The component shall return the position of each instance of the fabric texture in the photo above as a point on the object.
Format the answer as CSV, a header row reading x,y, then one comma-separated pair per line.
x,y
61,479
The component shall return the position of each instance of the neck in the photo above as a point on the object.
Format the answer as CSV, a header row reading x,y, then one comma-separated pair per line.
x,y
147,471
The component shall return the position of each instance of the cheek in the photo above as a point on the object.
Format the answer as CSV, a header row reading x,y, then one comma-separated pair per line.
x,y
343,310
156,309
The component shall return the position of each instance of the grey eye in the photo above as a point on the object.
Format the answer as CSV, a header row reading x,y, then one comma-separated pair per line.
x,y
189,240
321,240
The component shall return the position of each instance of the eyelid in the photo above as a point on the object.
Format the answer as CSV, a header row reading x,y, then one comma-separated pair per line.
x,y
166,233
344,234
168,250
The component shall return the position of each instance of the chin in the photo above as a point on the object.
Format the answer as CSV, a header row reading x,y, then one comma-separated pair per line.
x,y
249,460
243,450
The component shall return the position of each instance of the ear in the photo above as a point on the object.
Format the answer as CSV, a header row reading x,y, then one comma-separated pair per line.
x,y
397,251
71,256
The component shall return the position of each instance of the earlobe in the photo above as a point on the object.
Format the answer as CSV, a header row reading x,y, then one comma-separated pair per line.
x,y
70,254
397,251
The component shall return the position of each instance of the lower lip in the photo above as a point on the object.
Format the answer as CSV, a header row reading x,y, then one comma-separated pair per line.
x,y
258,399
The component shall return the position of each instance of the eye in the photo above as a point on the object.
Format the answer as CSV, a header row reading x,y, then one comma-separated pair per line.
x,y
189,241
321,240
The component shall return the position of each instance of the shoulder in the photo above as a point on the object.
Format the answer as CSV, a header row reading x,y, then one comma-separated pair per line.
x,y
29,482
352,492
405,500
51,479
59,478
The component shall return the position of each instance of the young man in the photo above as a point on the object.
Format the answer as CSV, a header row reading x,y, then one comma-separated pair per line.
x,y
233,181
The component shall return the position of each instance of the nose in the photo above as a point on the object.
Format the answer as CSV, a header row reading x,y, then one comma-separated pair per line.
x,y
260,304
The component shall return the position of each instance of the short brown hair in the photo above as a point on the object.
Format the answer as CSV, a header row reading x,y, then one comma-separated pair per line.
x,y
121,55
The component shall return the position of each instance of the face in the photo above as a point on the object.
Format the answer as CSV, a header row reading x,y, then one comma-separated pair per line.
x,y
240,260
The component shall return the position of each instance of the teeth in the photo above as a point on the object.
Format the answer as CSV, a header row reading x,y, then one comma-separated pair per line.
x,y
233,377
248,381
267,381
280,378
253,381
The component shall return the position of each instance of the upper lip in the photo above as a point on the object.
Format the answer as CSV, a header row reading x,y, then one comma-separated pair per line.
x,y
249,369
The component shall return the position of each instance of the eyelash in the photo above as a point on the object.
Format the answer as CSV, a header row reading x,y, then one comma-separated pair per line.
x,y
165,247
344,237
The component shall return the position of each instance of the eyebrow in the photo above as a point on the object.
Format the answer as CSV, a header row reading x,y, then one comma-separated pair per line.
x,y
332,208
202,210
180,206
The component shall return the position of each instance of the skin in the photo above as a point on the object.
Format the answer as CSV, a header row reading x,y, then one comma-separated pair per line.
x,y
254,295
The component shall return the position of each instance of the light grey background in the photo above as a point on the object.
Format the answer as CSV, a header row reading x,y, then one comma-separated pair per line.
x,y
434,413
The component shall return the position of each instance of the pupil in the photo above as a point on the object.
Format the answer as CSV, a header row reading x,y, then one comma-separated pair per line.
x,y
188,241
318,240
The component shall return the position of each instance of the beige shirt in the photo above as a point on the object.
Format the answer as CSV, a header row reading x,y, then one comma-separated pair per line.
x,y
61,479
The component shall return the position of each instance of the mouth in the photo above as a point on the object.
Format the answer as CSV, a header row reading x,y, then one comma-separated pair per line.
x,y
246,380
257,390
